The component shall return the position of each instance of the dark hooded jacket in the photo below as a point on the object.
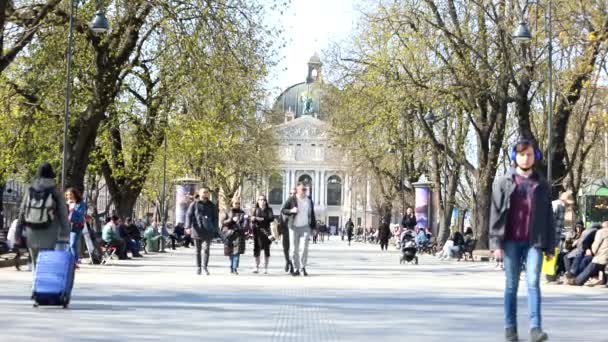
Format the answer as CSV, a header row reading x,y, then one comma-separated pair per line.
x,y
202,217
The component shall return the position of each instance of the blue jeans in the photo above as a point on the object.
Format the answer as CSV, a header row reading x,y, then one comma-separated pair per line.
x,y
516,253
134,246
75,243
234,261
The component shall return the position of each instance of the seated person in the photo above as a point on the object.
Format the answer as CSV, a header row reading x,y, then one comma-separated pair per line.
x,y
422,239
178,235
450,249
111,237
469,239
152,236
577,259
459,240
132,237
599,250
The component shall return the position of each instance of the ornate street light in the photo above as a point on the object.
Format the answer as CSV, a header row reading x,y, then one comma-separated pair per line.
x,y
522,33
99,25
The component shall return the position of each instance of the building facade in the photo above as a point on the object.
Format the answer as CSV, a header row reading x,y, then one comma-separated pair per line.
x,y
306,154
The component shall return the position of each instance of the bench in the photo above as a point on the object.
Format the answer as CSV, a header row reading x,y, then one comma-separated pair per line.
x,y
482,255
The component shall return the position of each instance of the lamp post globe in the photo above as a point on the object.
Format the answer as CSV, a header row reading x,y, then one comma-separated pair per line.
x,y
522,33
429,117
99,24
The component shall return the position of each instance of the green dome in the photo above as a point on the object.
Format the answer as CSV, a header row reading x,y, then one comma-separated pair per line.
x,y
301,99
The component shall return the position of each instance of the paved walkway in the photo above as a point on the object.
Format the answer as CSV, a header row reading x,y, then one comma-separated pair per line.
x,y
354,293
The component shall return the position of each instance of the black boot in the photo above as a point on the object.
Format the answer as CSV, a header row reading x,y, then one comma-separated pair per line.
x,y
304,272
287,266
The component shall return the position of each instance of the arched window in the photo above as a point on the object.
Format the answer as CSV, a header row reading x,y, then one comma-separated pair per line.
x,y
275,195
307,180
334,191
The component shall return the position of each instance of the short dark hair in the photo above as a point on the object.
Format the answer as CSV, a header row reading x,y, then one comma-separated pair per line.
x,y
524,145
115,218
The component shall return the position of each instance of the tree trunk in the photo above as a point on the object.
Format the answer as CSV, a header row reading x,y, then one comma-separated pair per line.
x,y
482,208
125,202
81,143
386,211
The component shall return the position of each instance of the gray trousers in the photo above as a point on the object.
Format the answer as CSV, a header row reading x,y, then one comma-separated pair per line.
x,y
295,235
202,245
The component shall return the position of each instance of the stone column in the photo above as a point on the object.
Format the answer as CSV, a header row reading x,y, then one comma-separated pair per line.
x,y
317,187
285,185
322,188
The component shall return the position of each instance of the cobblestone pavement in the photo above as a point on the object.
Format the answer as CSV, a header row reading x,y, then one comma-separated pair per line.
x,y
353,293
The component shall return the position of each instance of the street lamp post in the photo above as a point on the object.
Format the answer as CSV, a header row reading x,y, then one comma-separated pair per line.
x,y
522,35
163,216
99,25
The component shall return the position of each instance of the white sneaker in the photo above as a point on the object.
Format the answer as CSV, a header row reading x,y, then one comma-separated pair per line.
x,y
265,271
256,270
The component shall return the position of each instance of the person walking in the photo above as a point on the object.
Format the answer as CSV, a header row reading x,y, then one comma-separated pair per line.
x,y
284,227
301,212
262,235
384,234
77,211
233,231
521,229
202,223
350,227
43,214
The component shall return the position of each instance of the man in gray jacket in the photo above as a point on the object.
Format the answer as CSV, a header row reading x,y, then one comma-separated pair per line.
x,y
201,220
284,222
300,210
521,229
44,236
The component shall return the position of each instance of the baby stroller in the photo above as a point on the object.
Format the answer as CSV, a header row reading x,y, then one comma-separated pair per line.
x,y
408,248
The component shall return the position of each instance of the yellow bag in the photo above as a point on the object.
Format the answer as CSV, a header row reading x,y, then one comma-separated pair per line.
x,y
549,266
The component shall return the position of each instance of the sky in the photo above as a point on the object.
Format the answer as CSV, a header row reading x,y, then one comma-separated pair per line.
x,y
310,26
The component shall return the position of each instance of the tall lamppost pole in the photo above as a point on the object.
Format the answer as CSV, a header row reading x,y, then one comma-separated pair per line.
x,y
522,35
163,228
98,25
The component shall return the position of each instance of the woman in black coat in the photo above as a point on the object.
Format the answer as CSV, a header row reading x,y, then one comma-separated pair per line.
x,y
409,219
384,234
262,236
233,231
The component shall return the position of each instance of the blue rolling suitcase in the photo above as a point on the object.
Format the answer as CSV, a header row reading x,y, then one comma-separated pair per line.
x,y
53,278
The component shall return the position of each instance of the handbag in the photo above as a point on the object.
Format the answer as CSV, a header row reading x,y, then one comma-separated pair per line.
x,y
549,266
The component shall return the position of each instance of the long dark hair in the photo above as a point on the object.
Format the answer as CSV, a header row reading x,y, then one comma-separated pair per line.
x,y
76,194
257,203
